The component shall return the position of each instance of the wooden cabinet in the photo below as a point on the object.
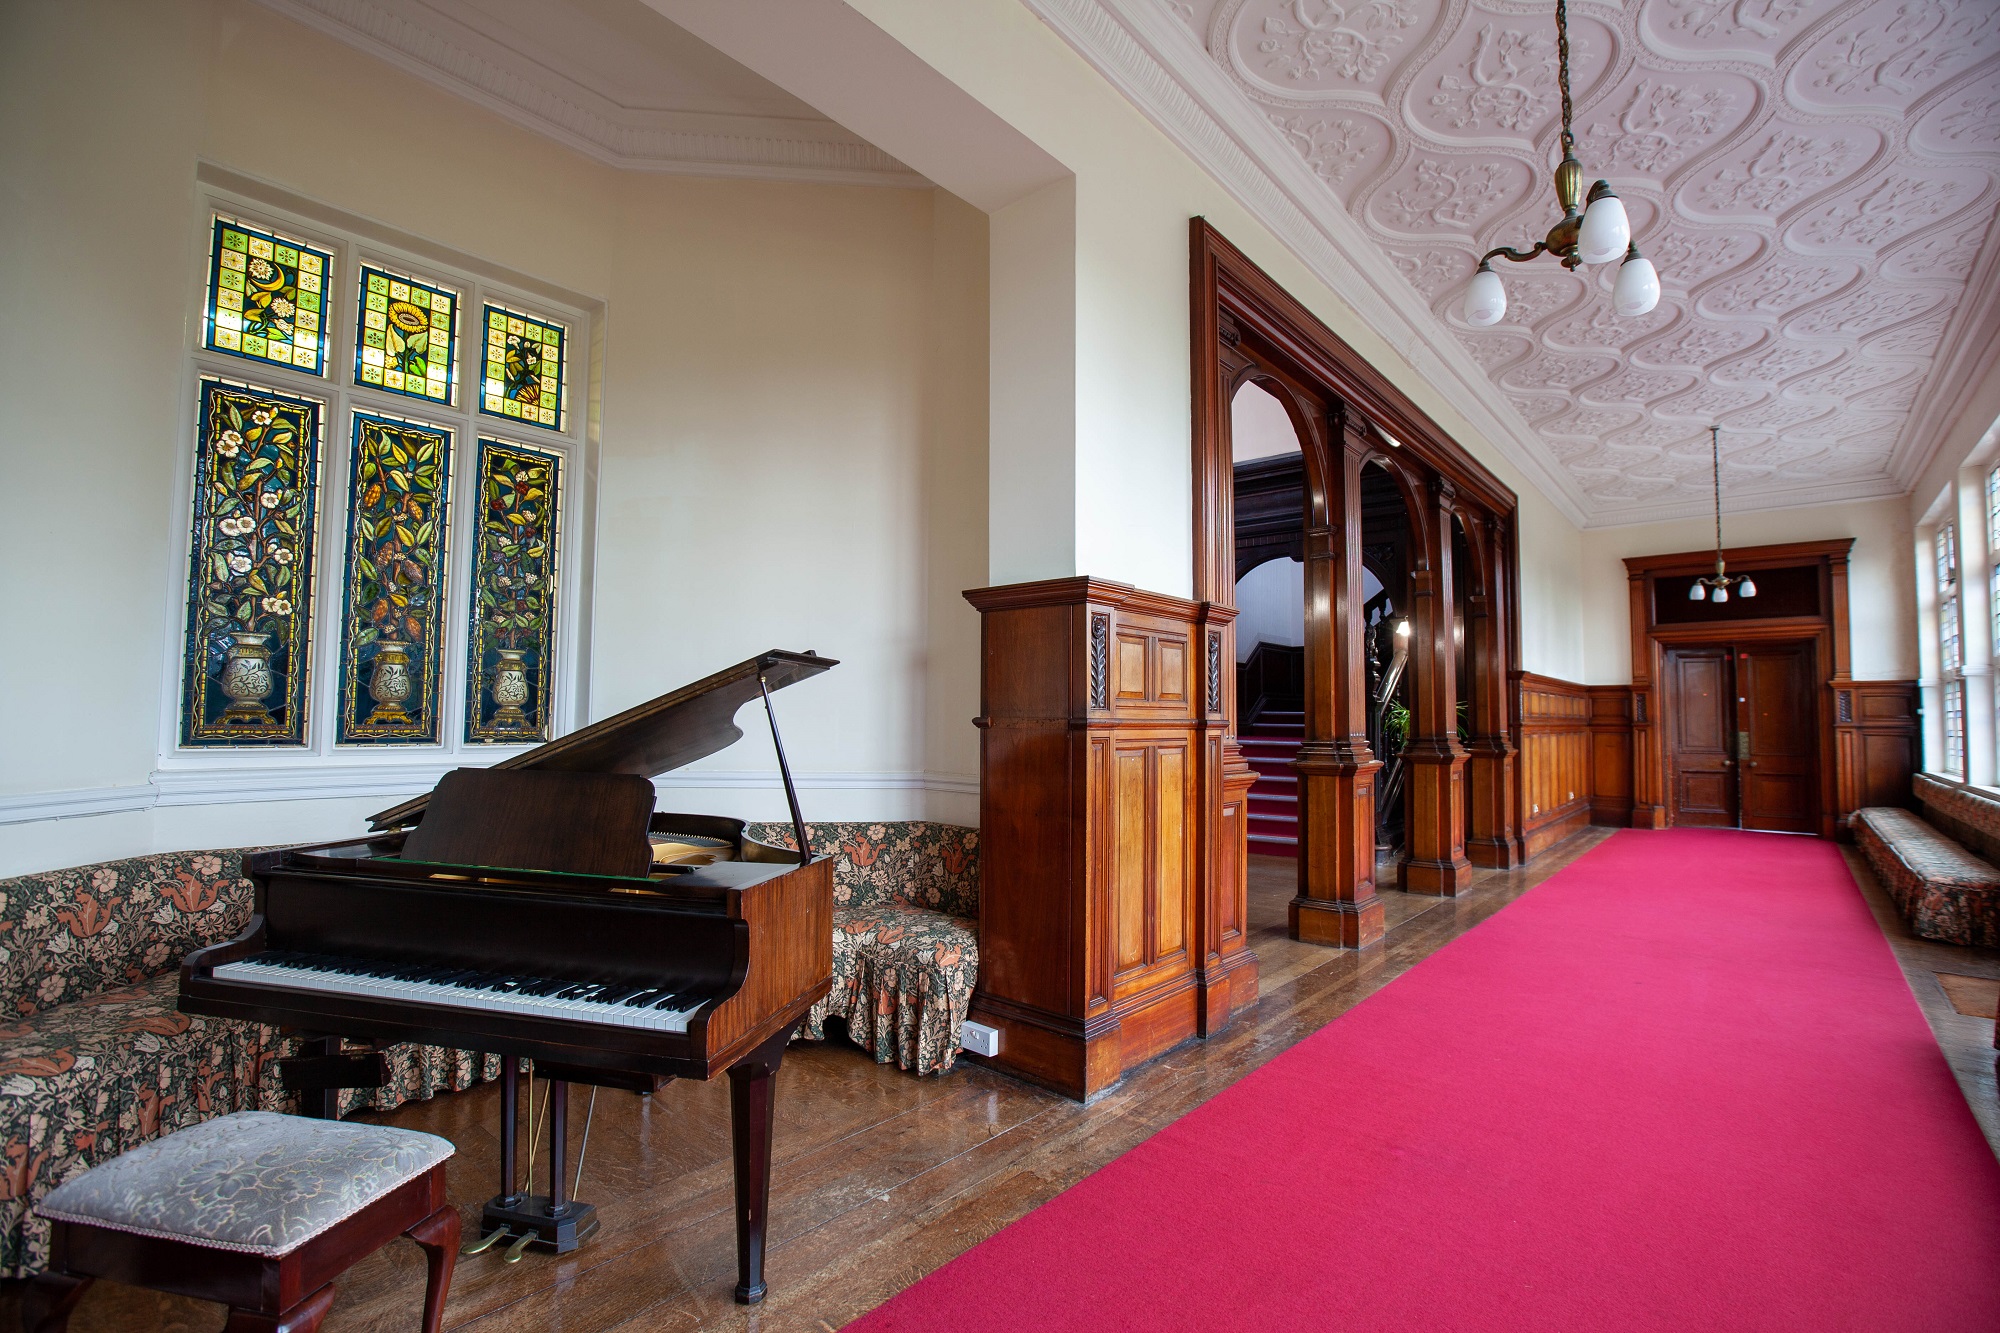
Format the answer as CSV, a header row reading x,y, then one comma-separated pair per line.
x,y
1112,833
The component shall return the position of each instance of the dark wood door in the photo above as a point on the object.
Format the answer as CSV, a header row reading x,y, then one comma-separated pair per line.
x,y
1701,737
1778,776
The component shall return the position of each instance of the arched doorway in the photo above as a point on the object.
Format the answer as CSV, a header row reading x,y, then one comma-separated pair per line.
x,y
1363,443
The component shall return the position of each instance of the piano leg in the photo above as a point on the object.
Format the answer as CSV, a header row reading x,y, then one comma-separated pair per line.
x,y
753,1086
558,1147
510,1121
321,1103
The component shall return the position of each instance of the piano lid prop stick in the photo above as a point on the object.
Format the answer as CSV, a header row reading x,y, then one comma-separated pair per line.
x,y
785,772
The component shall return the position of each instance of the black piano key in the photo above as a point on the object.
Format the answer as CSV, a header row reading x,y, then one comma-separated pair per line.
x,y
547,987
673,1001
643,998
618,994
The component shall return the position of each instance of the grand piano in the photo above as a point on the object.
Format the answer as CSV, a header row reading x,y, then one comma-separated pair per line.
x,y
542,909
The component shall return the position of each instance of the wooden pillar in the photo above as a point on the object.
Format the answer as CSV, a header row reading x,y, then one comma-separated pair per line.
x,y
1336,902
1649,795
1490,763
1434,758
1225,968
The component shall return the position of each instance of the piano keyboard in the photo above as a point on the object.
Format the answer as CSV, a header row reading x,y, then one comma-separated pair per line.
x,y
653,1009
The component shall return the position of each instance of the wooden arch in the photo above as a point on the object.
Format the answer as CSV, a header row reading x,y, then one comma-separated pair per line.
x,y
1246,326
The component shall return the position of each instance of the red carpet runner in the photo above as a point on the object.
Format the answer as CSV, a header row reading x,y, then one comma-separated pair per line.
x,y
1682,1085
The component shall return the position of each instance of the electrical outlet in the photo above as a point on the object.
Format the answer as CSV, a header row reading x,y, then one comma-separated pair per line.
x,y
979,1039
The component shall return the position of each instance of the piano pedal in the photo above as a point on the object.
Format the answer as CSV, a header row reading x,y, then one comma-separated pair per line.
x,y
485,1242
529,1221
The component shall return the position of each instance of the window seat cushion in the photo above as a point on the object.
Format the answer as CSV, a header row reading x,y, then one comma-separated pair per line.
x,y
1943,891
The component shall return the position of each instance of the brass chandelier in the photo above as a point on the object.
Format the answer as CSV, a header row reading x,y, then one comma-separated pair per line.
x,y
1715,587
1598,233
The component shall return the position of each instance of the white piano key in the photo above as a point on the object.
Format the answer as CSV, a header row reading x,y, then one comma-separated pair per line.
x,y
507,1001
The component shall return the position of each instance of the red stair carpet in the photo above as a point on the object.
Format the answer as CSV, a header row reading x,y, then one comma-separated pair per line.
x,y
1270,744
1681,1085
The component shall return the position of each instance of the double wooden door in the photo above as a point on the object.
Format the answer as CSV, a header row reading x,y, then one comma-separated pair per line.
x,y
1743,736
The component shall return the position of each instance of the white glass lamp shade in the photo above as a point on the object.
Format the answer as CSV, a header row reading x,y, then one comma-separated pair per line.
x,y
1485,298
1722,594
1697,593
1606,231
1746,589
1402,629
1638,289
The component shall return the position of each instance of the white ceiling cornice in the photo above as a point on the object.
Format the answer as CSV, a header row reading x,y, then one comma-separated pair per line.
x,y
1615,457
418,39
1128,41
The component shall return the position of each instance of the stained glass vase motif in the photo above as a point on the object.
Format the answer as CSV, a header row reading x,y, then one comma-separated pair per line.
x,y
266,297
247,664
405,336
511,655
521,371
398,519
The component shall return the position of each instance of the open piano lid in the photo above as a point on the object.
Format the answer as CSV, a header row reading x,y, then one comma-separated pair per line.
x,y
660,735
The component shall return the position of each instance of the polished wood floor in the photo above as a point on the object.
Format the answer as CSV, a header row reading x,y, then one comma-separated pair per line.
x,y
882,1177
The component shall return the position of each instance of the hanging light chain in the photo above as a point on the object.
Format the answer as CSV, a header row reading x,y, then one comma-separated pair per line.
x,y
1715,470
1562,69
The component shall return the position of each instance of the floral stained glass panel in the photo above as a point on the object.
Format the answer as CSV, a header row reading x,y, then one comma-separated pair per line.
x,y
406,331
391,612
267,297
511,656
248,659
522,370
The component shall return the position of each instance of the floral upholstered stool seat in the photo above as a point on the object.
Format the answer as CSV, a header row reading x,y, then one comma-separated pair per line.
x,y
258,1211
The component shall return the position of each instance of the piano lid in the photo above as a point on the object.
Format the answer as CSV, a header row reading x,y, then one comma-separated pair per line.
x,y
656,737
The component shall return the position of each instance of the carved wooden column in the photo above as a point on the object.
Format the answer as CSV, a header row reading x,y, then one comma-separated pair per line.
x,y
1336,902
1490,763
1649,795
1433,758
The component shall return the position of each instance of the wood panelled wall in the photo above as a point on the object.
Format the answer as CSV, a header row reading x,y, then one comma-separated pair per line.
x,y
1576,752
1556,743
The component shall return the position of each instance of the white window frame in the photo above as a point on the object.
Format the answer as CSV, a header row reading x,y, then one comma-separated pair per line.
x,y
321,768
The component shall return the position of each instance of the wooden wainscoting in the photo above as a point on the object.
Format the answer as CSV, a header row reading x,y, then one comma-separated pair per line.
x,y
1876,743
1611,755
1556,743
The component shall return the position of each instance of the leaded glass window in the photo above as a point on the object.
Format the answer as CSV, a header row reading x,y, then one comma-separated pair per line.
x,y
513,623
266,297
1947,574
398,516
1954,728
406,335
248,655
521,373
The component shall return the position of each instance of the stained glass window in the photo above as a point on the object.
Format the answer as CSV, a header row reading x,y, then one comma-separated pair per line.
x,y
522,368
266,297
511,653
406,335
256,489
392,609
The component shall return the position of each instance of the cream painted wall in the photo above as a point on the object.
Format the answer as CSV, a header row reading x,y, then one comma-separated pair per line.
x,y
1882,618
792,412
1135,191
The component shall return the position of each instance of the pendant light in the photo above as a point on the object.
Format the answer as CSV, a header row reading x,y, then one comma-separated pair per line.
x,y
1599,234
1716,586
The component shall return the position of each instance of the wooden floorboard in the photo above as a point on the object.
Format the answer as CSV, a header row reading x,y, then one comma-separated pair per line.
x,y
882,1177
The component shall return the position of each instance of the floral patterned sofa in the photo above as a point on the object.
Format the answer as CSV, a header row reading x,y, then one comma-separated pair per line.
x,y
95,1057
905,936
1943,891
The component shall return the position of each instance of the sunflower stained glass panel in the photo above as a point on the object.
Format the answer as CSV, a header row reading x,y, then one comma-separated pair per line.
x,y
248,655
511,654
521,374
391,643
406,332
266,298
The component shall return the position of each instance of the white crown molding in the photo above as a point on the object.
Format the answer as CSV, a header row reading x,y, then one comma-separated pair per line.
x,y
1801,497
1129,42
1973,340
320,781
421,42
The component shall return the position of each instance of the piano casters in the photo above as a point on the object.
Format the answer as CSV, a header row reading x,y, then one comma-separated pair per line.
x,y
753,1085
519,1217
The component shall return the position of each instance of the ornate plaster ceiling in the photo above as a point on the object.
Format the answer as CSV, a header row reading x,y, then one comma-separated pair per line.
x,y
610,78
1815,180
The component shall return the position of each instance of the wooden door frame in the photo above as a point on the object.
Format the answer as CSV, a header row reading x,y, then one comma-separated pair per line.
x,y
1823,718
1827,631
1244,325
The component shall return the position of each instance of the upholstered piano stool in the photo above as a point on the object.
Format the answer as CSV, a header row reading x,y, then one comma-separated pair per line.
x,y
258,1211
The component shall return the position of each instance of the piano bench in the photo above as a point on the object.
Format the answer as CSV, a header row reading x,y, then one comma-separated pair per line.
x,y
257,1211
